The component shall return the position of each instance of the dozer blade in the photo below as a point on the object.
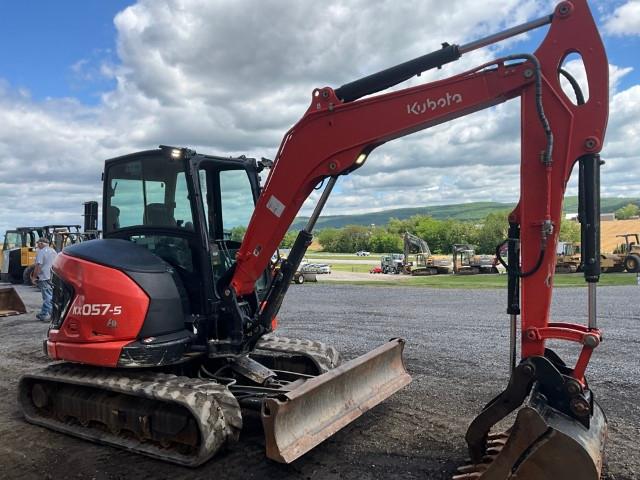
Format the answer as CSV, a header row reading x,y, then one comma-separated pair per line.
x,y
306,416
543,444
10,302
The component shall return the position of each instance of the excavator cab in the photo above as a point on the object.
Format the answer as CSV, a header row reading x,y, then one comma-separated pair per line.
x,y
184,208
462,259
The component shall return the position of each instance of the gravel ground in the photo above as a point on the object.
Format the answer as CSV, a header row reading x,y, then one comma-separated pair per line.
x,y
456,351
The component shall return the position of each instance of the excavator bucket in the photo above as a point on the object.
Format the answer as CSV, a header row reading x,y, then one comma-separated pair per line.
x,y
543,444
304,417
10,302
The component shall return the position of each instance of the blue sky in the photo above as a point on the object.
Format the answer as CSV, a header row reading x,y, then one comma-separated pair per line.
x,y
41,41
624,51
86,80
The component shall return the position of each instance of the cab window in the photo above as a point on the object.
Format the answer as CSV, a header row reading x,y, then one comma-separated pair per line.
x,y
150,192
237,204
11,240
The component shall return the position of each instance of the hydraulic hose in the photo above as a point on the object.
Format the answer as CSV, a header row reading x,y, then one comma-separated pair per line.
x,y
547,160
517,271
547,156
574,84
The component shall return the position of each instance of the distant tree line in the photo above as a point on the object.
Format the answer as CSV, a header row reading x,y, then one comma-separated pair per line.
x,y
439,234
237,235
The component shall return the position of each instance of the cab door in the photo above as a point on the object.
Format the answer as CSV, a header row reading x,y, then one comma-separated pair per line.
x,y
227,189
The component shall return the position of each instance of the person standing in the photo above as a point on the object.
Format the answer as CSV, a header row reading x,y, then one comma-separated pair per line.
x,y
42,275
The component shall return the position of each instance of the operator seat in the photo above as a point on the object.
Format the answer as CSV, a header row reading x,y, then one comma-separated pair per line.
x,y
158,215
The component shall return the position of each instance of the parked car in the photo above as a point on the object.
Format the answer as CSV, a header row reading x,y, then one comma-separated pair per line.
x,y
323,268
363,253
302,275
376,270
316,268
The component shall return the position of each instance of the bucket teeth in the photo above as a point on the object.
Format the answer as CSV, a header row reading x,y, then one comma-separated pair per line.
x,y
468,476
472,471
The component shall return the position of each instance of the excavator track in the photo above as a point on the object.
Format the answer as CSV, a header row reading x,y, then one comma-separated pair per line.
x,y
324,356
176,419
422,272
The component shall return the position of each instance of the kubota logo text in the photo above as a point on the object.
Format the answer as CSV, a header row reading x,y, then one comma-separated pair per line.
x,y
417,108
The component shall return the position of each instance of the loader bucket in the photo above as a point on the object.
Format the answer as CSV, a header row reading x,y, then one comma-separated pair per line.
x,y
10,302
543,444
304,417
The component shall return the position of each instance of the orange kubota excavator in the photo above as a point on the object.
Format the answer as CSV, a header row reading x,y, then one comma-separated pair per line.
x,y
166,323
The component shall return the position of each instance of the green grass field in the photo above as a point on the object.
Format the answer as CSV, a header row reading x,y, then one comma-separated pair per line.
x,y
352,267
479,281
451,281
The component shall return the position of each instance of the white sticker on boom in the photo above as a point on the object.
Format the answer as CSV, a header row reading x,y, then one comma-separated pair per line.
x,y
276,206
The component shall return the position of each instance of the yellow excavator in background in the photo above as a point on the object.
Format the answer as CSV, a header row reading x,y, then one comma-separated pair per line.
x,y
467,262
569,259
425,263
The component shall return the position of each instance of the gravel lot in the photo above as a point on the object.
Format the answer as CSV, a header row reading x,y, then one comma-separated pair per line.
x,y
456,351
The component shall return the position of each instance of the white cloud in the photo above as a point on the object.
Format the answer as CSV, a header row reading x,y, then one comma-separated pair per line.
x,y
231,78
625,19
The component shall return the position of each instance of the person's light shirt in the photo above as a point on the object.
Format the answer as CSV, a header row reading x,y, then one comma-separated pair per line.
x,y
45,258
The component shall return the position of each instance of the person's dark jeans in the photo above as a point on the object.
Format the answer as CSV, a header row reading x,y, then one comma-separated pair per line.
x,y
46,289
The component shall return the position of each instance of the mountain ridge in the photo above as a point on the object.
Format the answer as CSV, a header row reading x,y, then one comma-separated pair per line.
x,y
473,211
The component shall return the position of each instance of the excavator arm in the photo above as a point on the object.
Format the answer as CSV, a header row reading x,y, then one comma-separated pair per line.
x,y
334,138
411,240
340,129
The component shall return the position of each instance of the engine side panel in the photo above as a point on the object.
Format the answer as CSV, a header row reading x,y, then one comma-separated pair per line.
x,y
106,312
